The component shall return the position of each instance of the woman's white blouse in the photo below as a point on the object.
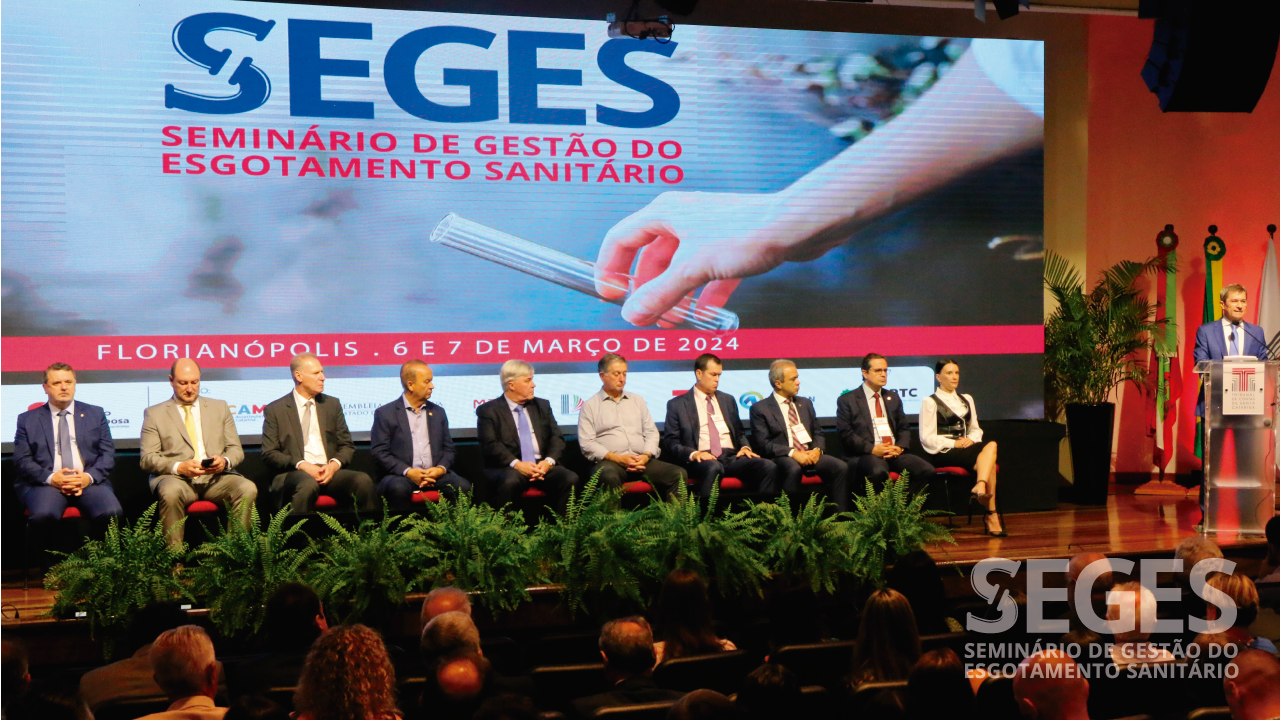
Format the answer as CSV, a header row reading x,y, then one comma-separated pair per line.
x,y
929,438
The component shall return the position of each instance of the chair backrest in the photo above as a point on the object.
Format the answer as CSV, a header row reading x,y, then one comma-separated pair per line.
x,y
955,641
816,702
131,708
558,685
722,672
282,696
817,663
643,711
865,694
1213,713
576,648
408,691
503,653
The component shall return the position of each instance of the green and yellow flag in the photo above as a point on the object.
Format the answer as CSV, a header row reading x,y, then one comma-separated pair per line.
x,y
1214,250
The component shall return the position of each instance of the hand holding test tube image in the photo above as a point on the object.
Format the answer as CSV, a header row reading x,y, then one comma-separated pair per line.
x,y
565,270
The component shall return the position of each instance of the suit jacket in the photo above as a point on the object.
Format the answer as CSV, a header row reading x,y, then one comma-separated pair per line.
x,y
197,707
769,426
391,442
165,441
854,421
282,432
37,457
129,679
634,691
1212,345
500,440
681,430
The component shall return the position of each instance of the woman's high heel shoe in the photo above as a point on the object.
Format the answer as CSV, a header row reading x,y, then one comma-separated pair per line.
x,y
983,496
986,529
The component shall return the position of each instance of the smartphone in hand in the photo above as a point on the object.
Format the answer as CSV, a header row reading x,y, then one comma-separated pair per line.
x,y
206,463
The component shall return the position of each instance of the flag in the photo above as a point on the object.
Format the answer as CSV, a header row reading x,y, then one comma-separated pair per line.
x,y
1214,250
1269,293
1166,375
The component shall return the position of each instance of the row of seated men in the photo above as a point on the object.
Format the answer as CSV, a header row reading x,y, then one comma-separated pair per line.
x,y
190,446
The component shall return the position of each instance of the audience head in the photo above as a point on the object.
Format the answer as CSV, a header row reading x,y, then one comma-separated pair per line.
x,y
347,675
447,634
1254,691
295,618
17,675
916,576
770,691
183,663
443,600
888,643
1097,588
152,620
1050,685
507,707
937,687
627,647
256,707
1242,592
683,615
1137,612
47,700
703,705
462,678
1191,551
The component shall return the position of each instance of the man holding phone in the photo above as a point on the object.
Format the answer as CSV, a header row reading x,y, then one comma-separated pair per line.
x,y
190,445
64,453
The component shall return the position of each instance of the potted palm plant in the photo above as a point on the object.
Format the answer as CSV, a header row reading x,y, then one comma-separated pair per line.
x,y
1093,343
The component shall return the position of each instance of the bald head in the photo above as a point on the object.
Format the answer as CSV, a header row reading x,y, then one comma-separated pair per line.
x,y
1254,692
184,378
1083,560
1050,686
461,679
447,634
443,600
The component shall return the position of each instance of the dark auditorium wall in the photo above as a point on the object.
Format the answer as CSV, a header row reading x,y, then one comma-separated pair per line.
x,y
1148,168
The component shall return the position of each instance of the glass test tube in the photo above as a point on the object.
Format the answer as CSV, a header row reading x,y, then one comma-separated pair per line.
x,y
568,271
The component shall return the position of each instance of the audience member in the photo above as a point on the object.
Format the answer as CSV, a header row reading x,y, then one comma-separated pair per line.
x,y
1191,551
770,691
347,675
455,687
295,618
445,599
916,576
185,669
256,707
888,643
1271,565
1051,686
703,705
507,707
937,688
1244,594
627,648
1254,691
1131,623
453,634
45,700
684,620
1097,591
16,669
131,678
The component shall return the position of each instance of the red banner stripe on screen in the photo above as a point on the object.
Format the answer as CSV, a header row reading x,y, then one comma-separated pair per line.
x,y
231,351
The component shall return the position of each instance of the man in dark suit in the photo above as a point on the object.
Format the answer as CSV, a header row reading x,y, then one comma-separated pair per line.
x,y
627,647
703,434
306,441
873,429
411,445
521,441
1229,336
63,452
786,430
295,618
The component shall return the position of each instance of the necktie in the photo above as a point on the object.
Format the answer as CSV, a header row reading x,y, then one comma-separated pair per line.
x,y
192,433
713,434
1234,347
795,420
306,424
64,442
526,435
880,414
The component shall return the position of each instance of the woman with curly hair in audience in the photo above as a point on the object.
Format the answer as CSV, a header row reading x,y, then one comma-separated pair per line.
x,y
348,676
888,643
683,619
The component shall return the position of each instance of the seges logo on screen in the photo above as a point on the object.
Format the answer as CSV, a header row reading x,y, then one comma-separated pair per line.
x,y
308,68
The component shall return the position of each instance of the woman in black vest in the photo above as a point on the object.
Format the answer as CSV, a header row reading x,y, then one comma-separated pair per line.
x,y
951,437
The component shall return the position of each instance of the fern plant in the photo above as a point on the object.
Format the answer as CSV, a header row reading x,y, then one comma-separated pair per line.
x,y
371,567
720,546
111,579
890,524
475,547
808,544
239,568
594,548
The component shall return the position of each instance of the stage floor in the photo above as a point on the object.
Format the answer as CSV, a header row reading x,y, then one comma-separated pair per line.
x,y
1129,525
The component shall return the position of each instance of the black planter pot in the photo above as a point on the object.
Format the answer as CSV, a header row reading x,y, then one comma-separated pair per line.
x,y
1089,429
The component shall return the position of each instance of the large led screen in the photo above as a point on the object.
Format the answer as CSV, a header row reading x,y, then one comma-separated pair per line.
x,y
237,182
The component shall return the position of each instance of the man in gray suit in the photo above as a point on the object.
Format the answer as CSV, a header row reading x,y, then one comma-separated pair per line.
x,y
190,446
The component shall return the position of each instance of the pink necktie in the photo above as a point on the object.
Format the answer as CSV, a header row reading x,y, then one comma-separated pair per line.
x,y
713,435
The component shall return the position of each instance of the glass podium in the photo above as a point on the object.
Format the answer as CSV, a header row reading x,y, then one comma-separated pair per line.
x,y
1240,444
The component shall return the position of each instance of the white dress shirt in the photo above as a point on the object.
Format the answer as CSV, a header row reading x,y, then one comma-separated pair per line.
x,y
704,440
783,404
75,450
929,438
1227,327
313,451
880,424
198,440
533,434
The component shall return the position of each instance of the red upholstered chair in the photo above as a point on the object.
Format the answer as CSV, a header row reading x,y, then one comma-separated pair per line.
x,y
202,508
422,497
71,513
639,487
533,493
946,473
326,502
